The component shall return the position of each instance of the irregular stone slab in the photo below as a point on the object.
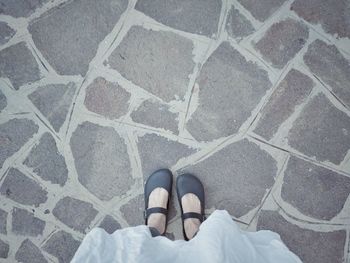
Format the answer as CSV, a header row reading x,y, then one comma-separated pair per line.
x,y
321,131
332,15
18,65
261,10
237,25
26,224
101,160
6,33
3,101
157,115
47,162
237,177
13,135
291,92
54,101
3,222
28,252
230,87
58,35
22,189
109,224
62,245
314,190
74,213
307,244
282,41
4,249
195,16
107,99
331,67
20,8
161,66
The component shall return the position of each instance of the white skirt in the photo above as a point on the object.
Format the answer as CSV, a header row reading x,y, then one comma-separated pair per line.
x,y
219,240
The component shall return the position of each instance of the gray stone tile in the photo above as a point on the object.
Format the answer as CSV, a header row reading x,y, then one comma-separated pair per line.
x,y
109,224
4,249
158,61
22,189
3,222
18,65
314,190
321,131
3,101
261,10
26,224
28,252
107,98
236,177
331,67
237,25
226,79
62,245
332,15
157,115
20,8
307,244
6,33
282,41
59,36
291,92
54,101
47,162
194,16
101,160
74,213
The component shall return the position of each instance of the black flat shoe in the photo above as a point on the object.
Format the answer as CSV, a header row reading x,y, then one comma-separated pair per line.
x,y
162,178
185,184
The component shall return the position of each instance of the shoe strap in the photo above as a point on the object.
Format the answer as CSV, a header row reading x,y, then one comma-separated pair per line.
x,y
200,217
154,210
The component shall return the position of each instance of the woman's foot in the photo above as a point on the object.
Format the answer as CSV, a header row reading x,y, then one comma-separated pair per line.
x,y
158,198
191,203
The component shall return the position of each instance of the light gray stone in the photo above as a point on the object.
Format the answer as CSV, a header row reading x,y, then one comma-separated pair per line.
x,y
28,252
261,10
157,61
20,8
101,160
4,249
282,41
74,213
307,244
47,162
26,224
236,177
194,16
18,65
54,101
291,92
321,131
331,67
6,32
3,101
3,222
59,36
107,98
237,25
230,87
109,224
22,189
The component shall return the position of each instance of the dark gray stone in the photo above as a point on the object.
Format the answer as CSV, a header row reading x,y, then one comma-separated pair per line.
x,y
59,36
26,224
331,67
109,224
3,222
54,101
261,10
47,162
314,190
230,87
282,41
107,98
6,32
20,8
18,65
291,92
194,16
237,25
101,160
158,61
62,245
28,252
236,177
74,213
321,131
157,115
334,16
309,245
3,101
4,249
22,189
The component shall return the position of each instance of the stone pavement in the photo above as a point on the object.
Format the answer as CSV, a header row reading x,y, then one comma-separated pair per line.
x,y
252,96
